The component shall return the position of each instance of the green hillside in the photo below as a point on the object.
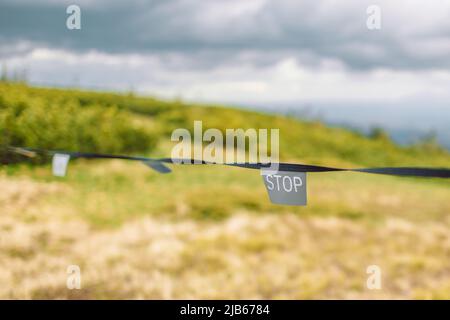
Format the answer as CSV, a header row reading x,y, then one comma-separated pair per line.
x,y
210,231
91,121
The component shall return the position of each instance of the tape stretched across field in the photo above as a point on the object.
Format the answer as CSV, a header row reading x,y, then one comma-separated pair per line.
x,y
283,186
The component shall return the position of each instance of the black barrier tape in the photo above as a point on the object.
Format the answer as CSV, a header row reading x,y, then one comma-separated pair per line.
x,y
157,164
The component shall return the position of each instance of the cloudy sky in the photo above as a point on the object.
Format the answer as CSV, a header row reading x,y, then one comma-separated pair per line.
x,y
249,52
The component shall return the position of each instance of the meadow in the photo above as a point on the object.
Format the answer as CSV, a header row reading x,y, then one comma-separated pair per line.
x,y
210,231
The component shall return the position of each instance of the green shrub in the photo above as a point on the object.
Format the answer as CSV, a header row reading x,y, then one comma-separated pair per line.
x,y
40,122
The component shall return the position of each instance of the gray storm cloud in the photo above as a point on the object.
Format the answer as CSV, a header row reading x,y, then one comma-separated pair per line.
x,y
414,34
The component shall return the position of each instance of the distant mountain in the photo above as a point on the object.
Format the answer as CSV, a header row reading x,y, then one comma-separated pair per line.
x,y
406,124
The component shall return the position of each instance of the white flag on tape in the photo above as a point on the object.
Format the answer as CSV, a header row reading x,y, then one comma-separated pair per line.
x,y
59,164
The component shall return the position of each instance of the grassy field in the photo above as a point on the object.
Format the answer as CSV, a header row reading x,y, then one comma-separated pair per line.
x,y
211,232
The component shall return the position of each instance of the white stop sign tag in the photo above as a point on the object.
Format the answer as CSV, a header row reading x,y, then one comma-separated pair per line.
x,y
285,187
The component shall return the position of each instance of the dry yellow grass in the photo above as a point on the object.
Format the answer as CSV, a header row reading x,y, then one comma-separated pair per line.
x,y
249,253
243,257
